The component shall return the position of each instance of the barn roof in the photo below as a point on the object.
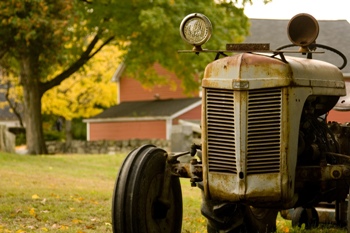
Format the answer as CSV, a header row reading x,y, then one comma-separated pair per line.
x,y
149,108
333,33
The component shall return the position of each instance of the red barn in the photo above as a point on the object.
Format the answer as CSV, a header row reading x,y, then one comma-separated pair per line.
x,y
144,113
146,119
341,112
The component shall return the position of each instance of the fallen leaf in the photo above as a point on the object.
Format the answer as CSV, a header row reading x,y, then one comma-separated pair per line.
x,y
78,199
55,195
18,211
35,196
32,212
43,201
63,227
20,231
76,221
90,226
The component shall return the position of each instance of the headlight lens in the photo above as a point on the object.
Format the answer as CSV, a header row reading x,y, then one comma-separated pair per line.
x,y
196,29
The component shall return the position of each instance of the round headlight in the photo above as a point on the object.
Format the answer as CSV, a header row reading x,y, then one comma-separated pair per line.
x,y
195,29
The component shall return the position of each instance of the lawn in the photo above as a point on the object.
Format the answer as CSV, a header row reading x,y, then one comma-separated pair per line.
x,y
68,193
72,193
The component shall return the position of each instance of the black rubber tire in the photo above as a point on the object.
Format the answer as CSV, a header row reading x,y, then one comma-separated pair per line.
x,y
348,213
240,229
222,217
255,220
260,220
307,216
135,205
211,229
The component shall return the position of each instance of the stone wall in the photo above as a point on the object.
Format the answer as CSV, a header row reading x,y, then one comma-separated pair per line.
x,y
181,140
102,147
7,140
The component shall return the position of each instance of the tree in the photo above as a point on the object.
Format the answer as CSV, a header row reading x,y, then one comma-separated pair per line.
x,y
156,39
13,95
86,93
42,36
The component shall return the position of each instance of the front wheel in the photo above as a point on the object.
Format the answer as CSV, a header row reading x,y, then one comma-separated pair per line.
x,y
307,216
136,207
348,212
237,218
261,219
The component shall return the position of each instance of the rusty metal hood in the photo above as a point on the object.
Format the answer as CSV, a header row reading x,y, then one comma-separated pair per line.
x,y
255,71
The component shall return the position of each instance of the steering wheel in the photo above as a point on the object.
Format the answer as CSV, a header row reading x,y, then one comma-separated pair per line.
x,y
314,46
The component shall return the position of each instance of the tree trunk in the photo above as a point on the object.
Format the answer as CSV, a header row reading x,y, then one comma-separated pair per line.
x,y
69,137
32,103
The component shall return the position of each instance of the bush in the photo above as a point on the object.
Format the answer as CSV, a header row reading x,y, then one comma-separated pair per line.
x,y
54,136
21,139
78,129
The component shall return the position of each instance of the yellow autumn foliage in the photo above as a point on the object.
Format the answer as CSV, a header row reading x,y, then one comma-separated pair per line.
x,y
15,91
87,92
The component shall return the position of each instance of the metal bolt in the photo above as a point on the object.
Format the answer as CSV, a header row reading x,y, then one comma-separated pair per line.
x,y
336,174
346,172
194,161
193,182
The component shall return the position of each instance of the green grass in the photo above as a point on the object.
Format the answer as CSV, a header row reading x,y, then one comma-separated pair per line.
x,y
73,193
51,193
68,193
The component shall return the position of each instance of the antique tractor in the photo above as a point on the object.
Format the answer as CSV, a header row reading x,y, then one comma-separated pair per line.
x,y
266,145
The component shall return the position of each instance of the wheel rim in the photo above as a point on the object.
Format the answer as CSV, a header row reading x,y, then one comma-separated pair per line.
x,y
161,214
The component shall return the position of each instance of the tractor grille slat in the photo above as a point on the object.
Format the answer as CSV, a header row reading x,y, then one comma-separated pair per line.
x,y
264,108
221,131
264,131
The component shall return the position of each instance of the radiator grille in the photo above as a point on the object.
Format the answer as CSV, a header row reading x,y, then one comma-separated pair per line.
x,y
264,131
221,131
263,143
